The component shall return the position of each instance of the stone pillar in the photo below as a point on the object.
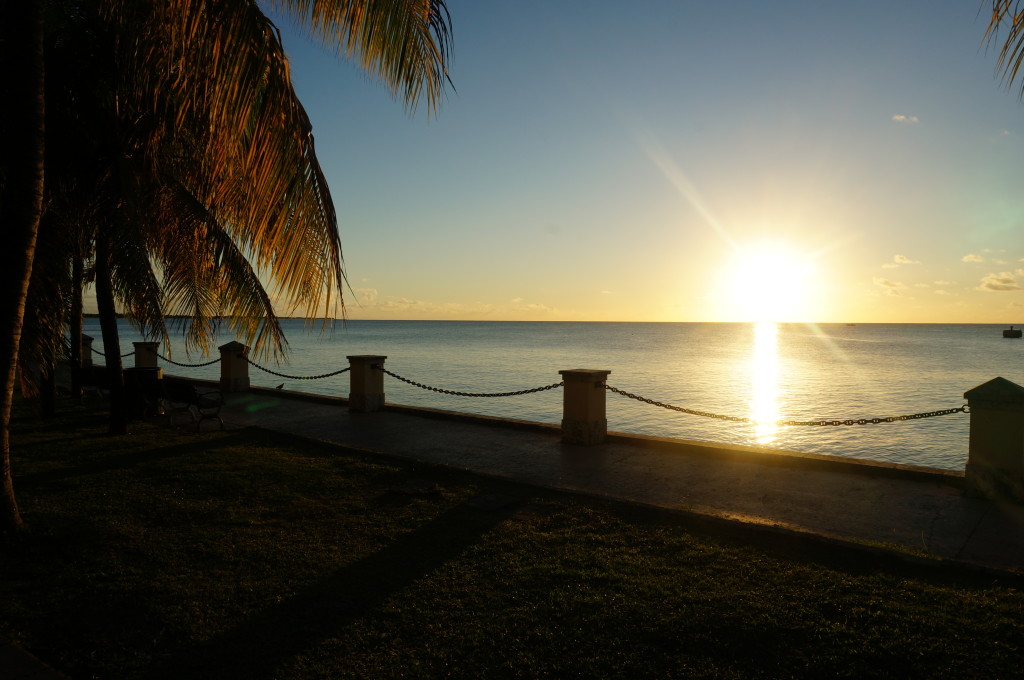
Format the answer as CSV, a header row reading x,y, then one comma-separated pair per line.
x,y
87,350
995,459
145,354
583,412
367,383
234,369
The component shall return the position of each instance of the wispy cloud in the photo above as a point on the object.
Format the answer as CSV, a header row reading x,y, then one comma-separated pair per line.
x,y
366,295
890,287
901,118
374,305
532,308
897,260
998,283
972,258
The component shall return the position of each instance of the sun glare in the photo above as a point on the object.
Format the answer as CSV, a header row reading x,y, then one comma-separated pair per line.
x,y
764,373
770,282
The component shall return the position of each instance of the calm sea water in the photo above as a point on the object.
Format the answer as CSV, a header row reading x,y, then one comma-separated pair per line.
x,y
763,371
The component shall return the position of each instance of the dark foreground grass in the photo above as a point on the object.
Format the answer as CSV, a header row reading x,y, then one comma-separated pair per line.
x,y
246,554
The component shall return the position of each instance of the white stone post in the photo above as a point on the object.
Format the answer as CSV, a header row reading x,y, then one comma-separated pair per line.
x,y
145,354
87,350
583,406
234,369
366,379
995,459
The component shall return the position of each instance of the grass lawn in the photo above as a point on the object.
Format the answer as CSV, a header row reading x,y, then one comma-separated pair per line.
x,y
248,554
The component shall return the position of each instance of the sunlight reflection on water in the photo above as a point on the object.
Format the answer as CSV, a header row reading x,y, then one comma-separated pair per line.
x,y
765,406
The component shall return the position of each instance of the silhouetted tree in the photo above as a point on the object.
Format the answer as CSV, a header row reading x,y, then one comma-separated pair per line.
x,y
197,157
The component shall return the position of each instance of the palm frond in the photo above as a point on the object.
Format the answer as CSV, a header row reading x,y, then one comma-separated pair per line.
x,y
205,276
1008,14
405,43
42,339
261,178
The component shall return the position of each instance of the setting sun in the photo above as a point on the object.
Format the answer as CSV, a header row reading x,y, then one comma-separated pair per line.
x,y
770,282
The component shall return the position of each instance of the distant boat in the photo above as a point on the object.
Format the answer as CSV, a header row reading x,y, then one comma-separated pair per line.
x,y
1013,333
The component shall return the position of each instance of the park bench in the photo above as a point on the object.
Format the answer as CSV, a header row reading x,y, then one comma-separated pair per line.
x,y
182,396
94,382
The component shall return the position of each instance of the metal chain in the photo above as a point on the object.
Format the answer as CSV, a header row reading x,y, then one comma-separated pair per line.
x,y
105,356
875,421
292,377
737,419
470,394
171,361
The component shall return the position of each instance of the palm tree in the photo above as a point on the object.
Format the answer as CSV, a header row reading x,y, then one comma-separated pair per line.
x,y
214,180
21,195
1011,54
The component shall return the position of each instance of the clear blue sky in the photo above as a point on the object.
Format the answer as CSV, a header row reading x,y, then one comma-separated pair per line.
x,y
684,161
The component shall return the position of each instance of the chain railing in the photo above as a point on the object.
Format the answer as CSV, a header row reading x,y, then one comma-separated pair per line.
x,y
790,423
628,395
176,363
292,377
105,356
470,394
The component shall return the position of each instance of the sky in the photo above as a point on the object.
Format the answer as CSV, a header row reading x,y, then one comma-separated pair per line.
x,y
806,161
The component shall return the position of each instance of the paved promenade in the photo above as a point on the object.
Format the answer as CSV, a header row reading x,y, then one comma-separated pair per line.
x,y
912,509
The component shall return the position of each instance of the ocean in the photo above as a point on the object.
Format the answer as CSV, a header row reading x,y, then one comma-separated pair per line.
x,y
766,372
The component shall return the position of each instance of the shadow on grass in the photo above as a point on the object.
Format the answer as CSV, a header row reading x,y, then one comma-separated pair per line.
x,y
101,463
259,647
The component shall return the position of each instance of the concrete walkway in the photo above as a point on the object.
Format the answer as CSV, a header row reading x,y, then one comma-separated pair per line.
x,y
919,510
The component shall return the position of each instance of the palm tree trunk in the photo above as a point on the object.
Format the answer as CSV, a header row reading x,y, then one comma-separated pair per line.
x,y
111,341
22,140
